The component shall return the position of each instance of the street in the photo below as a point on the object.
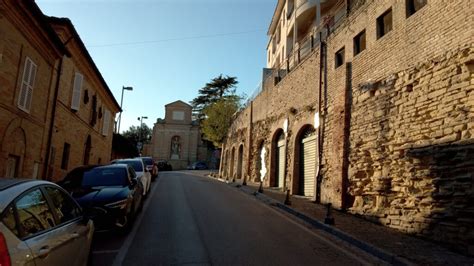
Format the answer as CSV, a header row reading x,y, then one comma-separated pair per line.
x,y
190,219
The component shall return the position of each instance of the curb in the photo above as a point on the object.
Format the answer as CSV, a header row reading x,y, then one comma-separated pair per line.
x,y
374,251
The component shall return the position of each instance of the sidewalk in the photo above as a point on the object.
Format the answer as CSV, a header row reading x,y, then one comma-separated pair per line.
x,y
383,242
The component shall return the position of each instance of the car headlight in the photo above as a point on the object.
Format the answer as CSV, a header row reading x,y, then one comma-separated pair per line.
x,y
121,204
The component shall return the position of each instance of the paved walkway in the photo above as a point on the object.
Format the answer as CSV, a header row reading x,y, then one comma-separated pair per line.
x,y
405,247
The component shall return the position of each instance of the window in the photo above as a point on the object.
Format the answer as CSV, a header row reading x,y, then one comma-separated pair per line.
x,y
9,220
76,91
105,126
339,57
359,42
65,160
27,83
34,214
384,23
413,6
64,207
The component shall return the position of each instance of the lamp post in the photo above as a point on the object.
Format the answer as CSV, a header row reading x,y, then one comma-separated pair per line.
x,y
140,131
121,103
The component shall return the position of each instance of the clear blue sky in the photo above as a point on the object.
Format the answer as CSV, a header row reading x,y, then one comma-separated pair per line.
x,y
165,49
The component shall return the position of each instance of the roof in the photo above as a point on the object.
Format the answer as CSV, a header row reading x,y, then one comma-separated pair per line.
x,y
12,188
67,22
179,102
43,22
276,16
9,182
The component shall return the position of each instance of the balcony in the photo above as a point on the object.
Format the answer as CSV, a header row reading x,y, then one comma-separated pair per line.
x,y
309,35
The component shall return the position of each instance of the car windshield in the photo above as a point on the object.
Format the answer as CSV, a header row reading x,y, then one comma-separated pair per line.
x,y
105,177
136,164
147,161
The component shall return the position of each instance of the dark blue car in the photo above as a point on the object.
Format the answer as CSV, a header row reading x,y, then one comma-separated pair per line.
x,y
110,194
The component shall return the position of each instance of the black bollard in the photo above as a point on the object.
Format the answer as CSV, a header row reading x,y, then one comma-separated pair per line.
x,y
329,219
287,199
260,188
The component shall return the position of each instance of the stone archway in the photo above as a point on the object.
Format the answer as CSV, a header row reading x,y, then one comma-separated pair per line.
x,y
240,159
232,158
305,157
278,159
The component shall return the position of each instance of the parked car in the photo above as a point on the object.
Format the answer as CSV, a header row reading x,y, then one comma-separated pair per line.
x,y
40,224
163,165
150,166
198,166
142,173
110,194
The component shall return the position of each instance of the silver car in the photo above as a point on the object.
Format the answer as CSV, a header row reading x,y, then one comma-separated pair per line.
x,y
41,225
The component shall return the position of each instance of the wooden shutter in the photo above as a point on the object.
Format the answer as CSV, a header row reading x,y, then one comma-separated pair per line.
x,y
106,123
76,91
27,83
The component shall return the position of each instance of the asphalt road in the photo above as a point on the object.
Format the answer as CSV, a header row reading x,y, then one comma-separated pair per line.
x,y
189,219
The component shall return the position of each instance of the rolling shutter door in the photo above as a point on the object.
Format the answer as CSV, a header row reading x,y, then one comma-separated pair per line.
x,y
281,162
309,164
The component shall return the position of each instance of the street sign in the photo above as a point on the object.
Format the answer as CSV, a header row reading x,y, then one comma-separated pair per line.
x,y
139,145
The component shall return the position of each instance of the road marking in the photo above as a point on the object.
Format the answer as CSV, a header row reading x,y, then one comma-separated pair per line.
x,y
105,251
131,235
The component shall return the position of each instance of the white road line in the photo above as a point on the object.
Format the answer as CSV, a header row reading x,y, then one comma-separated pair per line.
x,y
131,235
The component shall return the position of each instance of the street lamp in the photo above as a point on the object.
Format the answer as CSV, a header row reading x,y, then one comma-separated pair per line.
x,y
141,129
121,102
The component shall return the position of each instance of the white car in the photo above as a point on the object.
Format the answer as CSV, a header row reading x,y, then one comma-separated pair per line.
x,y
142,173
40,224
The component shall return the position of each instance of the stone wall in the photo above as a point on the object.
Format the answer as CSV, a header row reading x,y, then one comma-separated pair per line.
x,y
396,119
412,149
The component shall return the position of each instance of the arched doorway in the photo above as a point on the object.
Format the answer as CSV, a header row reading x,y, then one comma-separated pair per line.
x,y
175,152
240,158
277,178
14,146
259,162
306,157
87,150
226,164
232,158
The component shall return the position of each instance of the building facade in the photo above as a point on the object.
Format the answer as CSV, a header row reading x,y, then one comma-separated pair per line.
x,y
177,138
370,108
45,122
85,108
30,53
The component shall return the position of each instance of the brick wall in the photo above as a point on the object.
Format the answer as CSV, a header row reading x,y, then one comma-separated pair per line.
x,y
22,132
396,119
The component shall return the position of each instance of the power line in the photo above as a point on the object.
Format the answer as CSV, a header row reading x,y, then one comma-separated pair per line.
x,y
176,39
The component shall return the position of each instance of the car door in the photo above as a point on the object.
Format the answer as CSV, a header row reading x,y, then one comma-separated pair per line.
x,y
71,222
37,225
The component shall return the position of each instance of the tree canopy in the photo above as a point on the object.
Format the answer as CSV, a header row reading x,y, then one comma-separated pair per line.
x,y
219,118
137,134
217,89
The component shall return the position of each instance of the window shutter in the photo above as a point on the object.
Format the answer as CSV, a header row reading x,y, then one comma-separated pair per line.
x,y
76,92
106,123
27,84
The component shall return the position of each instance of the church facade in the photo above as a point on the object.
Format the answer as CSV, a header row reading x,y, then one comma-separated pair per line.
x,y
177,138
